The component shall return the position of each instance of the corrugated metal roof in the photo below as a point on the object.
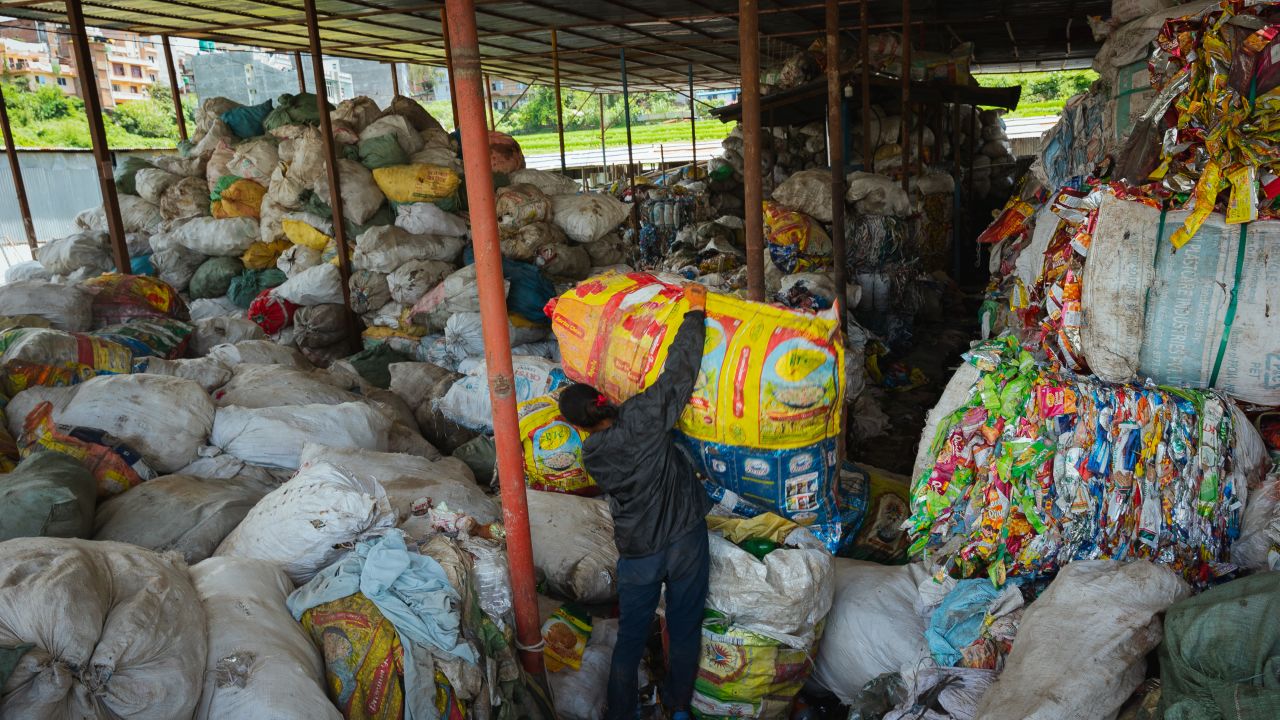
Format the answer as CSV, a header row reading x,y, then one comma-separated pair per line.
x,y
662,37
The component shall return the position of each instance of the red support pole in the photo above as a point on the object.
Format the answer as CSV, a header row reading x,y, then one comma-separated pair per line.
x,y
835,149
749,54
98,136
497,339
24,208
177,91
331,164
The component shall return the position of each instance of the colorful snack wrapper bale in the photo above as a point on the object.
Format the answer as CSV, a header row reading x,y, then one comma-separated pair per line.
x,y
1034,470
553,449
764,418
158,337
120,298
115,466
39,356
796,242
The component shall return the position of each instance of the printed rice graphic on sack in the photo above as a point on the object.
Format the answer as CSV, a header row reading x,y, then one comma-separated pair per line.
x,y
553,449
764,418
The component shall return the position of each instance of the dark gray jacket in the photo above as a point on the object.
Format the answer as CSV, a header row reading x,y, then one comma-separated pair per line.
x,y
653,492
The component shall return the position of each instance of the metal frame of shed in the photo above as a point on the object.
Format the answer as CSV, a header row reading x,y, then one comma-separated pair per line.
x,y
660,44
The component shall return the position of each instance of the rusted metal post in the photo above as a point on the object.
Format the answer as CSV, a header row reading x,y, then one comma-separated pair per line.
x,y
693,124
488,101
331,165
297,68
868,147
448,64
604,155
395,81
24,208
177,91
835,149
497,339
555,77
753,191
906,93
98,136
631,163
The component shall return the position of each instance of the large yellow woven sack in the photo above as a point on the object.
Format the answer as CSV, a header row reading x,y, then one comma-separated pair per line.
x,y
552,449
416,183
301,233
263,255
764,421
771,377
242,198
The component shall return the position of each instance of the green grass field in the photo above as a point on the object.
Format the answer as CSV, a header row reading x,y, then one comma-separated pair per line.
x,y
1037,109
674,133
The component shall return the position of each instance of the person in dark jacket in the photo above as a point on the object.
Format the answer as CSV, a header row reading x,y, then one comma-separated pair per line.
x,y
659,509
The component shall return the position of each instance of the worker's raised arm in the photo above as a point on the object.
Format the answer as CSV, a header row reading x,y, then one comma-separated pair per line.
x,y
663,401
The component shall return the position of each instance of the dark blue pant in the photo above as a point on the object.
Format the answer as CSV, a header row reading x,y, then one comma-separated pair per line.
x,y
683,566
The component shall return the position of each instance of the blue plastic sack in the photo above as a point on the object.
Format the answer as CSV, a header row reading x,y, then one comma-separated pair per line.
x,y
141,265
957,623
799,484
246,121
530,289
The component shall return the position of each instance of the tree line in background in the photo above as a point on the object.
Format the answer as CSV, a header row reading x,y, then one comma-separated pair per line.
x,y
47,118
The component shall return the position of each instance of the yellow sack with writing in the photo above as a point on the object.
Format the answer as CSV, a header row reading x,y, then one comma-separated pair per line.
x,y
552,449
416,183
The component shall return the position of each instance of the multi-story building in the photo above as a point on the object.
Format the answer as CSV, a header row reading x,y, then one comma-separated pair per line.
x,y
40,53
30,64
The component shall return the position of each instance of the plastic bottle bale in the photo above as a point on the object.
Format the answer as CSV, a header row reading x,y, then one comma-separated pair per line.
x,y
587,217
765,431
261,661
416,183
408,283
519,205
320,325
65,307
47,495
179,513
553,449
505,155
213,277
69,601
